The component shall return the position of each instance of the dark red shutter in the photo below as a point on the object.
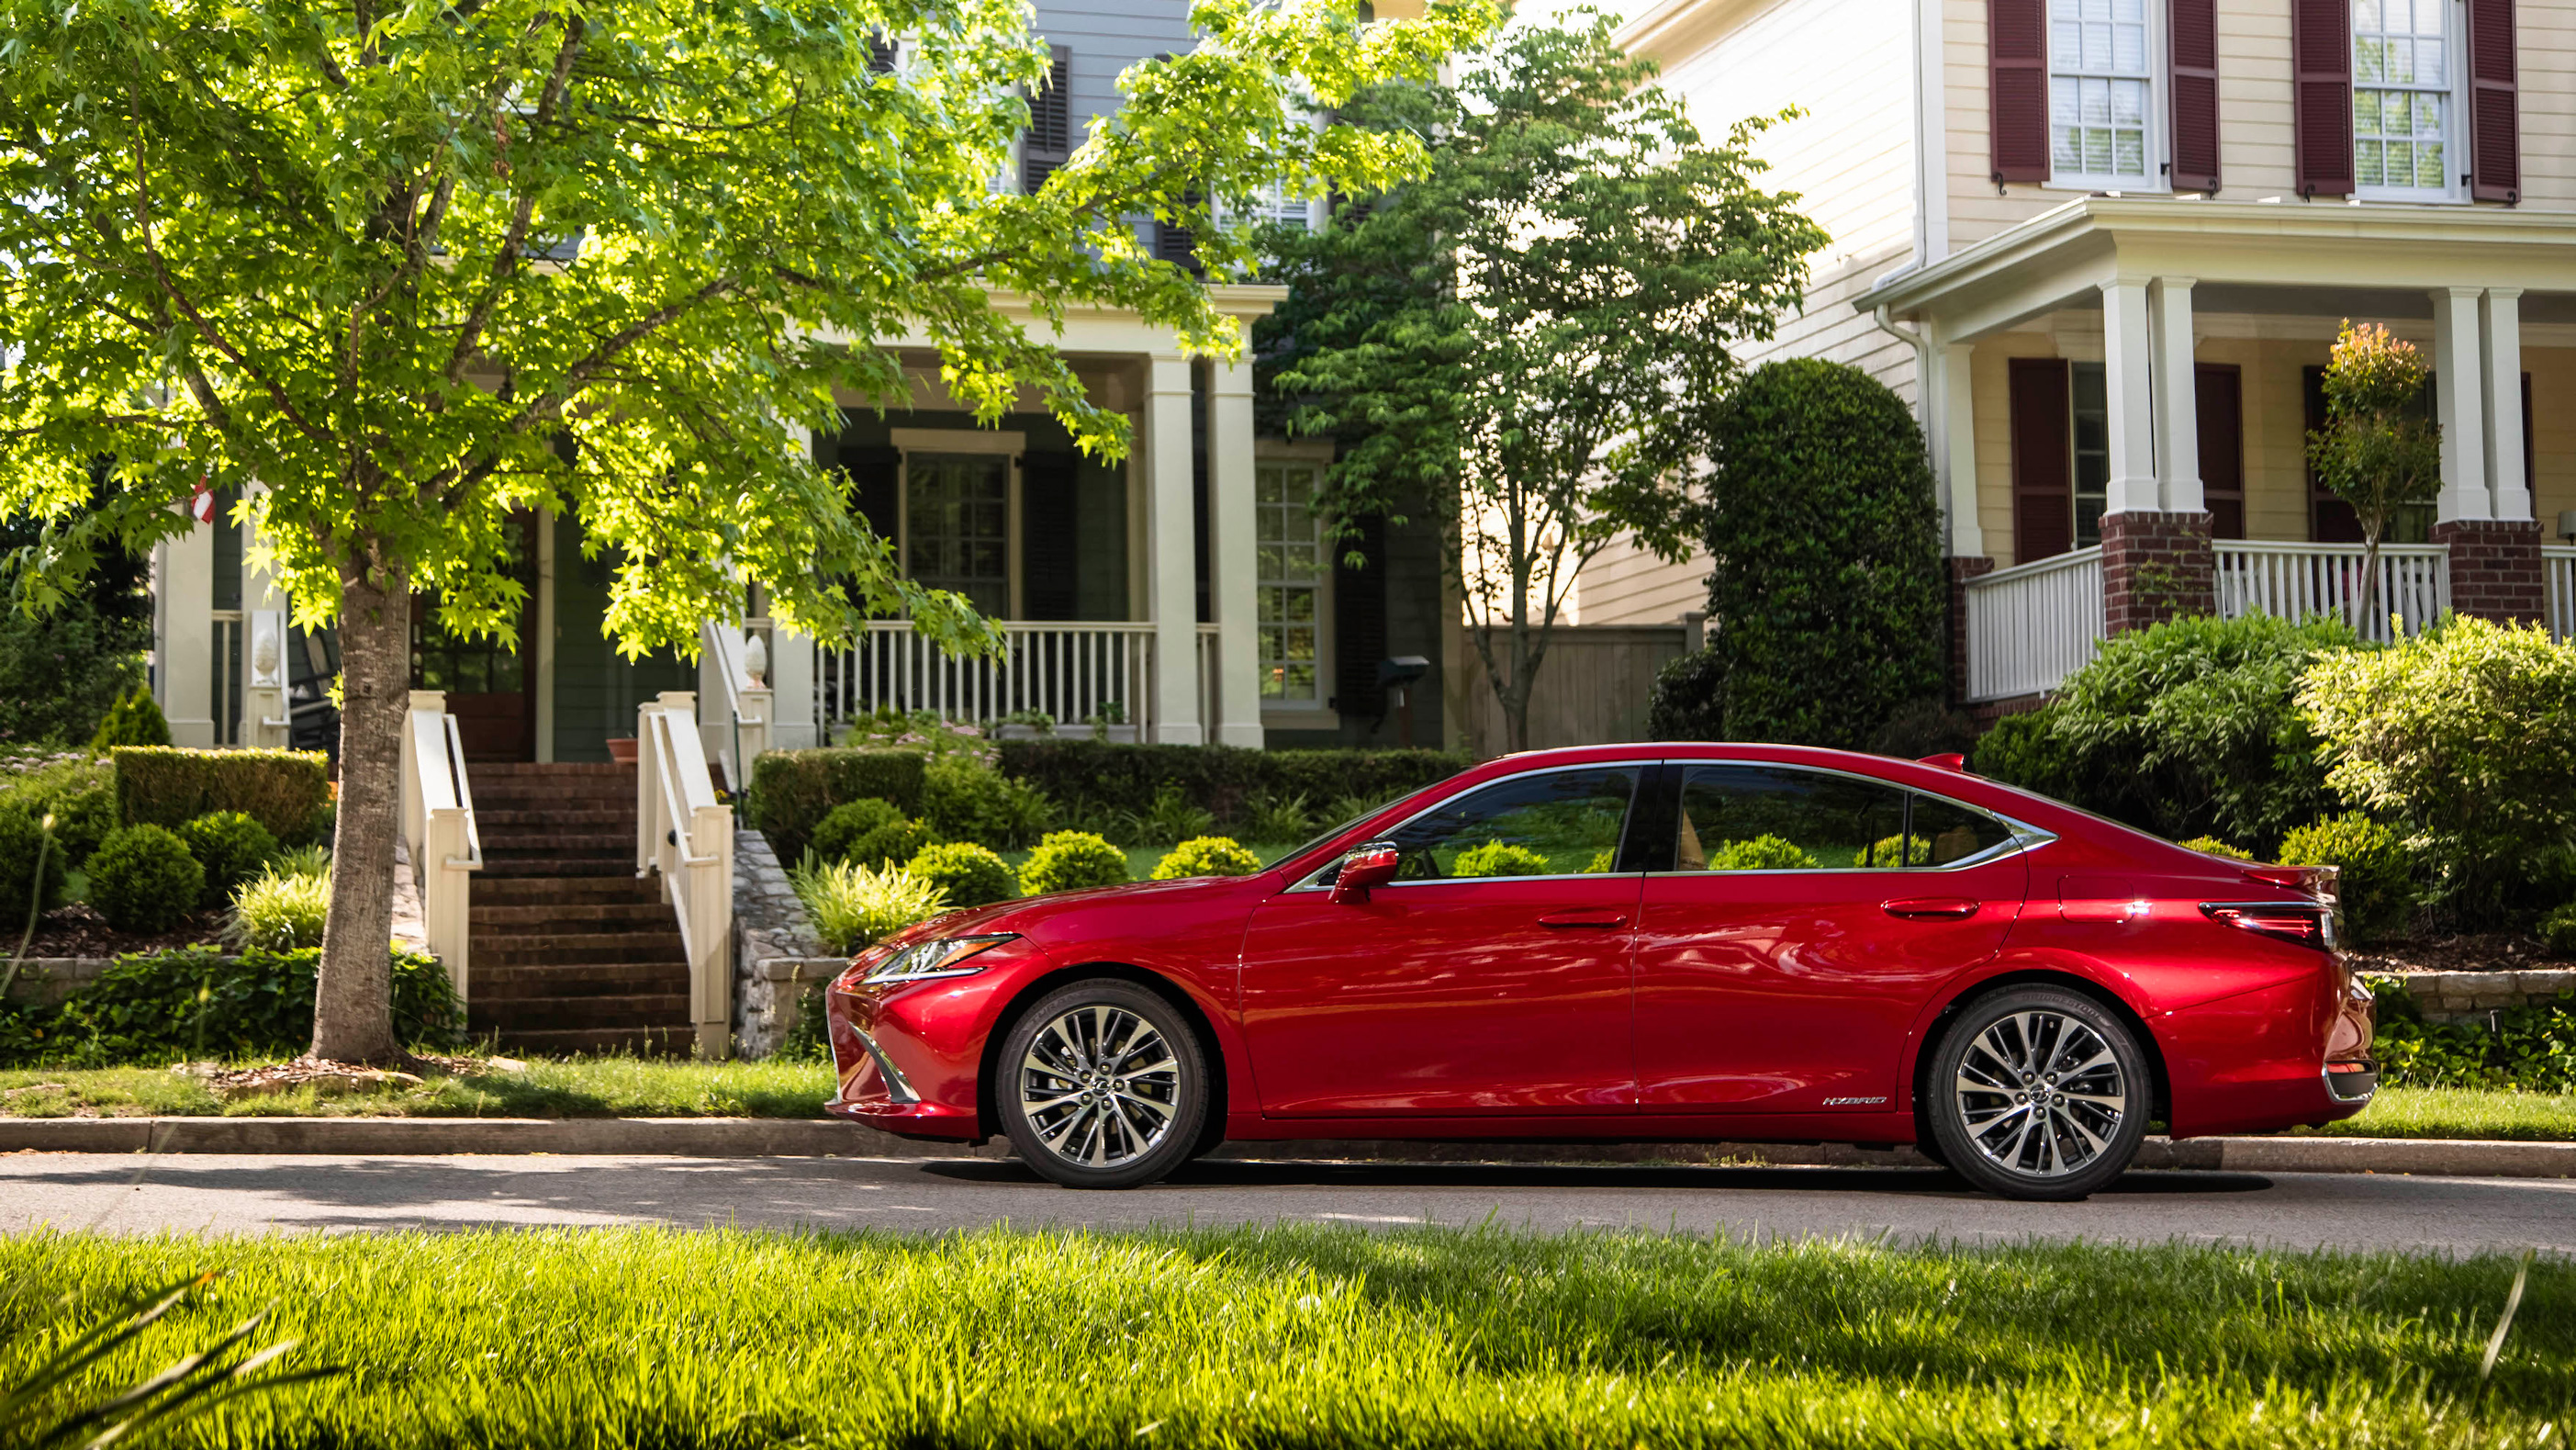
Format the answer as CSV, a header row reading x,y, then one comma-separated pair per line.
x,y
2218,397
2195,95
2043,460
2017,88
2495,128
2321,77
1048,143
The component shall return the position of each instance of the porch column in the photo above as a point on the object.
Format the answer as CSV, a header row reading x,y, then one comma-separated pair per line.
x,y
2157,559
2500,385
1954,410
2127,365
1171,563
1234,561
2457,366
266,613
791,686
2177,398
2486,528
184,599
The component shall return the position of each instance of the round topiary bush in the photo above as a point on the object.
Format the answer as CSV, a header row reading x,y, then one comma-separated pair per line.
x,y
869,832
1500,858
971,875
142,879
232,847
22,845
1207,856
2375,872
1071,861
1762,853
1900,851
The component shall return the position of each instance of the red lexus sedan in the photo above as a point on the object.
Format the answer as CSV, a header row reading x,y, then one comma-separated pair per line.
x,y
1636,943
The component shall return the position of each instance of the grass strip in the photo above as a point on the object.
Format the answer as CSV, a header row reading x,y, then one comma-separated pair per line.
x,y
1313,1337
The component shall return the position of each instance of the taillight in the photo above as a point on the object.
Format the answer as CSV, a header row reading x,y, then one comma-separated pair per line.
x,y
2309,925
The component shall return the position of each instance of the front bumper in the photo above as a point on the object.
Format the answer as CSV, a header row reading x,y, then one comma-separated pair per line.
x,y
908,1057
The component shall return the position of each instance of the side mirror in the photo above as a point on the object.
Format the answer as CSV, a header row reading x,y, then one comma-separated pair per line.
x,y
1370,865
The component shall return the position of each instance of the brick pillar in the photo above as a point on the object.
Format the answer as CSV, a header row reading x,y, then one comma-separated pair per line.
x,y
1962,569
2495,568
2155,567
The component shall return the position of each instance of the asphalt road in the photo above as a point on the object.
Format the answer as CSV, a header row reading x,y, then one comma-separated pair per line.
x,y
258,1194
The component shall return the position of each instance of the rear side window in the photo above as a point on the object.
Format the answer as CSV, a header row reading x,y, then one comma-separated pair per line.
x,y
1782,818
1549,823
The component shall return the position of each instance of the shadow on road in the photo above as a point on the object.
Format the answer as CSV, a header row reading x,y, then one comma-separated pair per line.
x,y
1916,1182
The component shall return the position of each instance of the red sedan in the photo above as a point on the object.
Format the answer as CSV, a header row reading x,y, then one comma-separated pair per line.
x,y
1636,943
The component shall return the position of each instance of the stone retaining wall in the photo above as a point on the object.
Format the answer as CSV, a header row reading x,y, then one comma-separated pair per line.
x,y
2465,996
777,954
45,981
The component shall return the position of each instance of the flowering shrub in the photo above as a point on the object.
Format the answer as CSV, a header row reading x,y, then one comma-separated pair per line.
x,y
1206,856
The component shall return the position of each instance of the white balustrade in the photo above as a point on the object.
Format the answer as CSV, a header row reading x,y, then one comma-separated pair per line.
x,y
1073,673
2296,580
740,735
683,835
2558,585
2032,625
438,831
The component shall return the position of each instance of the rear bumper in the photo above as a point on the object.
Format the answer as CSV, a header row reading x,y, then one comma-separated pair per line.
x,y
2293,1054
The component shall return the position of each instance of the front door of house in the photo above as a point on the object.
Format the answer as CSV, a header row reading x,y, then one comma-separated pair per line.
x,y
957,526
490,684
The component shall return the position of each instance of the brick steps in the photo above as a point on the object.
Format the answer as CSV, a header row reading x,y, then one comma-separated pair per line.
x,y
591,979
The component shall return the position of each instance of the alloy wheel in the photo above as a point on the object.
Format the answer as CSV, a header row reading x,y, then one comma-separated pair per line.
x,y
1100,1087
2041,1094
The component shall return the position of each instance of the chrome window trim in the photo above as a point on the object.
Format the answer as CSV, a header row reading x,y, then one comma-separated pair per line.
x,y
2023,835
1311,884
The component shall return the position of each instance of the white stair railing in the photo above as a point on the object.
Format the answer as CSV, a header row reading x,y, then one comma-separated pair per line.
x,y
438,831
2296,580
2558,586
2032,625
682,834
740,736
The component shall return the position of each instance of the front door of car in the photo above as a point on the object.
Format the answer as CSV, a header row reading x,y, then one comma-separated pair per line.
x,y
1492,976
1808,919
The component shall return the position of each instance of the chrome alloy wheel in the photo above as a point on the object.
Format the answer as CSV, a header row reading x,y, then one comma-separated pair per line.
x,y
2041,1093
1100,1086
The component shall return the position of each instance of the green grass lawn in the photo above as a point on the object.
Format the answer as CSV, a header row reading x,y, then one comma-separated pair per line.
x,y
2404,1112
1318,1337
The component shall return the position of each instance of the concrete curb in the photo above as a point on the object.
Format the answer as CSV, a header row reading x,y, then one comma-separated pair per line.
x,y
821,1137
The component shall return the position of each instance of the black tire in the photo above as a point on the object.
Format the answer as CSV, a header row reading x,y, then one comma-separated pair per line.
x,y
1093,1118
2038,1093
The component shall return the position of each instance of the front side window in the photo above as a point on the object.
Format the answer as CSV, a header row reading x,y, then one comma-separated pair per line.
x,y
1552,823
2401,96
1781,818
1290,575
2100,93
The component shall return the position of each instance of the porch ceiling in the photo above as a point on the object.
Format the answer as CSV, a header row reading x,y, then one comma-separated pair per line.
x,y
2285,257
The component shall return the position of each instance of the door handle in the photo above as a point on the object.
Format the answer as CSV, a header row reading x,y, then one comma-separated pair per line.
x,y
1594,918
1936,908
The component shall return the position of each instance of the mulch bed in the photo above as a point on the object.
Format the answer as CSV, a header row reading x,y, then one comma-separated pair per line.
x,y
78,931
335,1078
2495,951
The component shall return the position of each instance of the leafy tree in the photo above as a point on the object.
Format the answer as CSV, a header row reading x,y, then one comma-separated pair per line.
x,y
1526,341
62,672
2378,451
411,270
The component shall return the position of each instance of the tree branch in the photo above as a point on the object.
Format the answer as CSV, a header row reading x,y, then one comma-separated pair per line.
x,y
506,262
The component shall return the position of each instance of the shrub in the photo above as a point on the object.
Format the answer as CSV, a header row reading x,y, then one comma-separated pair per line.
x,y
135,719
279,911
1900,851
231,846
1071,861
62,674
1684,703
1500,858
1206,856
24,854
1274,818
793,790
284,790
970,874
198,1002
2375,871
924,732
302,861
2186,729
1827,601
2557,931
854,905
2530,1048
869,832
1170,820
1090,780
964,799
142,879
2466,733
1762,853
2024,750
79,793
2211,845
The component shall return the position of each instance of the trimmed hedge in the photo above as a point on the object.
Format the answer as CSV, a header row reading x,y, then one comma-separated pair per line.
x,y
793,790
1085,777
284,790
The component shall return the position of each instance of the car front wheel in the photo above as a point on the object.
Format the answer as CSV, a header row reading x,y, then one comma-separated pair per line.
x,y
2039,1093
1103,1085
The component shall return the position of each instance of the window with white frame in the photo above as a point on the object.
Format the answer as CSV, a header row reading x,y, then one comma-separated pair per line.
x,y
1292,559
2402,97
2101,94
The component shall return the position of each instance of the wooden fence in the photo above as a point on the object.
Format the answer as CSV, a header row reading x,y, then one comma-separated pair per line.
x,y
1593,686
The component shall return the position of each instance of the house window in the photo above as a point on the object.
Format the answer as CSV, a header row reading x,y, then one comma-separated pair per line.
x,y
1291,574
956,526
2101,93
2090,397
2401,97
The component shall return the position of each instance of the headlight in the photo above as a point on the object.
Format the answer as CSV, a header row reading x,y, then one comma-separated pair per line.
x,y
945,957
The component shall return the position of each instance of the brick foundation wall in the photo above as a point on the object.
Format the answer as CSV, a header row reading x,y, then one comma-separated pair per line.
x,y
2155,567
1962,569
2495,567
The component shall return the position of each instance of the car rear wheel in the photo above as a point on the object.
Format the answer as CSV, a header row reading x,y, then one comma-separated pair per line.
x,y
2039,1093
1103,1085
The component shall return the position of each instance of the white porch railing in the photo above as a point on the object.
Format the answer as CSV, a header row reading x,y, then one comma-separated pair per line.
x,y
1073,673
2294,580
681,833
226,677
740,734
438,831
2558,585
2032,625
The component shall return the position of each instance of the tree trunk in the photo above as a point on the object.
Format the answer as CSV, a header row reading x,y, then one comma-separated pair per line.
x,y
353,1001
2369,582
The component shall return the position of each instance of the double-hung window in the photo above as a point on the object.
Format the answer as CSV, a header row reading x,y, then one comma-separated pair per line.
x,y
2102,128
1289,610
2403,91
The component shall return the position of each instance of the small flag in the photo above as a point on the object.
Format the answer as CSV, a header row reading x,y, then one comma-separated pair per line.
x,y
201,503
